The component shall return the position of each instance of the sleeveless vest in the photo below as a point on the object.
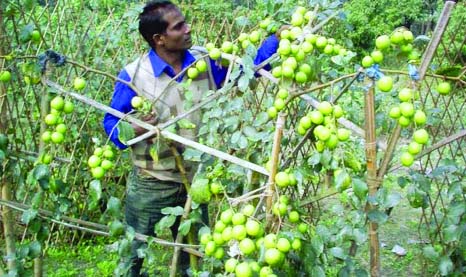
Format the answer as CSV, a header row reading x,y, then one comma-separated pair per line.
x,y
169,99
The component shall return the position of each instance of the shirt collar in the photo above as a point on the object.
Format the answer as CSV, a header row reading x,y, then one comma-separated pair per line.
x,y
159,66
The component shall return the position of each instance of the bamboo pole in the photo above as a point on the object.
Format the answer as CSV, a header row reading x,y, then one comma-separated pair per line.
x,y
5,193
270,191
187,210
372,181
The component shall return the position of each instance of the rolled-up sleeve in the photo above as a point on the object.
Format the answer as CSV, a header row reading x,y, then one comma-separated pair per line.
x,y
121,101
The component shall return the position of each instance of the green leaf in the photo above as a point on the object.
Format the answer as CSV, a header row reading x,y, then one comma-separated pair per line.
x,y
456,211
445,266
392,200
37,199
317,245
185,226
377,216
243,142
154,153
41,172
114,206
314,159
192,155
125,131
360,188
95,193
430,253
165,223
28,215
360,235
317,271
185,123
35,249
451,233
243,83
176,211
338,253
361,272
402,181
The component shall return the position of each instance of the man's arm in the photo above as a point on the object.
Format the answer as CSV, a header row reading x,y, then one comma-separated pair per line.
x,y
121,101
267,49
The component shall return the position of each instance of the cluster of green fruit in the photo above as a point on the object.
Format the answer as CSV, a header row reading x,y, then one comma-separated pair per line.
x,y
285,178
141,105
101,161
246,239
402,38
54,120
326,133
5,76
199,67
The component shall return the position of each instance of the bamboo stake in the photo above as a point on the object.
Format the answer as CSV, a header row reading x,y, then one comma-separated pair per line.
x,y
187,210
5,193
269,192
372,181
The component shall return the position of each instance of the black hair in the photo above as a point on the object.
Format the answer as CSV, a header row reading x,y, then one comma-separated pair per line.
x,y
151,20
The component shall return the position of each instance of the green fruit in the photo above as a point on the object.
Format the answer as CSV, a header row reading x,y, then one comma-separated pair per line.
x,y
272,112
227,234
201,66
405,94
239,232
301,77
414,148
253,228
215,53
282,179
243,270
321,42
248,210
230,265
94,161
137,102
293,216
272,256
247,246
385,83
305,122
216,188
35,36
226,216
79,83
367,61
238,219
316,117
68,107
283,245
279,104
200,191
420,117
408,36
227,47
106,164
407,109
209,46
377,56
254,37
5,76
282,93
46,136
296,244
343,134
98,172
395,112
407,159
57,137
61,128
421,136
337,111
444,88
404,121
210,248
325,108
51,119
382,42
396,37
193,73
270,241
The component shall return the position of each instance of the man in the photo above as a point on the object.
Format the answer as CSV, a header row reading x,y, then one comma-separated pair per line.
x,y
154,185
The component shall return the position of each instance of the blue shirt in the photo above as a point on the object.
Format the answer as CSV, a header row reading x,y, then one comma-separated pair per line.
x,y
122,95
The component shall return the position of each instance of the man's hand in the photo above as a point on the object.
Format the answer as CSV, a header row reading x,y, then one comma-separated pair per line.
x,y
150,119
281,29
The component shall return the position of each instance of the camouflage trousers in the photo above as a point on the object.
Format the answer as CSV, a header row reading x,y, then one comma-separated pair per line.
x,y
145,198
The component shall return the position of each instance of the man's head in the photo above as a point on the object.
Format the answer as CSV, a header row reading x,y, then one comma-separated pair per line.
x,y
163,26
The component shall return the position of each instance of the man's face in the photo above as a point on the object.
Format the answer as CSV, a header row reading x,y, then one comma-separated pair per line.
x,y
178,34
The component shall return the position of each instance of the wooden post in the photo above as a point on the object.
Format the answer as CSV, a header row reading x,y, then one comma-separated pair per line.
x,y
372,181
275,159
5,192
187,210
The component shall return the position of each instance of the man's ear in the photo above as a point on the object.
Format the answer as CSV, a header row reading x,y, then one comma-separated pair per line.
x,y
158,39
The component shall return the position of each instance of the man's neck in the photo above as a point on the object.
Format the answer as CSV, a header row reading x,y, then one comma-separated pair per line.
x,y
174,59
